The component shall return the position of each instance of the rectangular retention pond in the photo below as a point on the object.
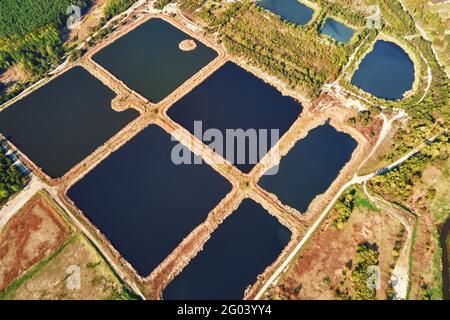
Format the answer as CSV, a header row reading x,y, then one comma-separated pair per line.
x,y
310,167
290,10
232,99
241,248
337,30
149,59
63,122
144,203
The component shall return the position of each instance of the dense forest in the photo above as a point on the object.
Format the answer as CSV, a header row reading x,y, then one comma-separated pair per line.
x,y
12,179
20,17
33,52
114,7
30,33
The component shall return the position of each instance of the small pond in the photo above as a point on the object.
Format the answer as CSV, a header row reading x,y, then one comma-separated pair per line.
x,y
60,124
386,72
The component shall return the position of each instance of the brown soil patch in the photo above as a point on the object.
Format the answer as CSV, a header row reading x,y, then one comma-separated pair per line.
x,y
10,77
49,282
32,234
371,131
319,268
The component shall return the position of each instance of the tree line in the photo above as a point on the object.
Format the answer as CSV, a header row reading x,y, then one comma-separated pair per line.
x,y
114,7
30,34
20,17
12,180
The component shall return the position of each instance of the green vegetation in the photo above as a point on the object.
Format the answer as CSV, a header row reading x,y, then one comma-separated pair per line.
x,y
34,53
434,290
433,19
395,20
429,111
160,4
30,35
92,265
114,7
348,201
366,257
12,92
335,9
406,184
345,207
124,294
428,117
20,17
447,242
12,180
398,183
364,117
448,249
437,290
304,60
398,245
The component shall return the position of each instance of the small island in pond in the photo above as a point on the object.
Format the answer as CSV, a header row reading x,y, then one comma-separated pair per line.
x,y
188,45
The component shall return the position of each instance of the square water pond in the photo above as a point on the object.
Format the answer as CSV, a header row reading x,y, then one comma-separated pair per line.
x,y
234,100
149,59
143,202
63,122
310,167
242,247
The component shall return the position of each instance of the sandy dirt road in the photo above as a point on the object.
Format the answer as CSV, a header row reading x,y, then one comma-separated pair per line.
x,y
18,201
